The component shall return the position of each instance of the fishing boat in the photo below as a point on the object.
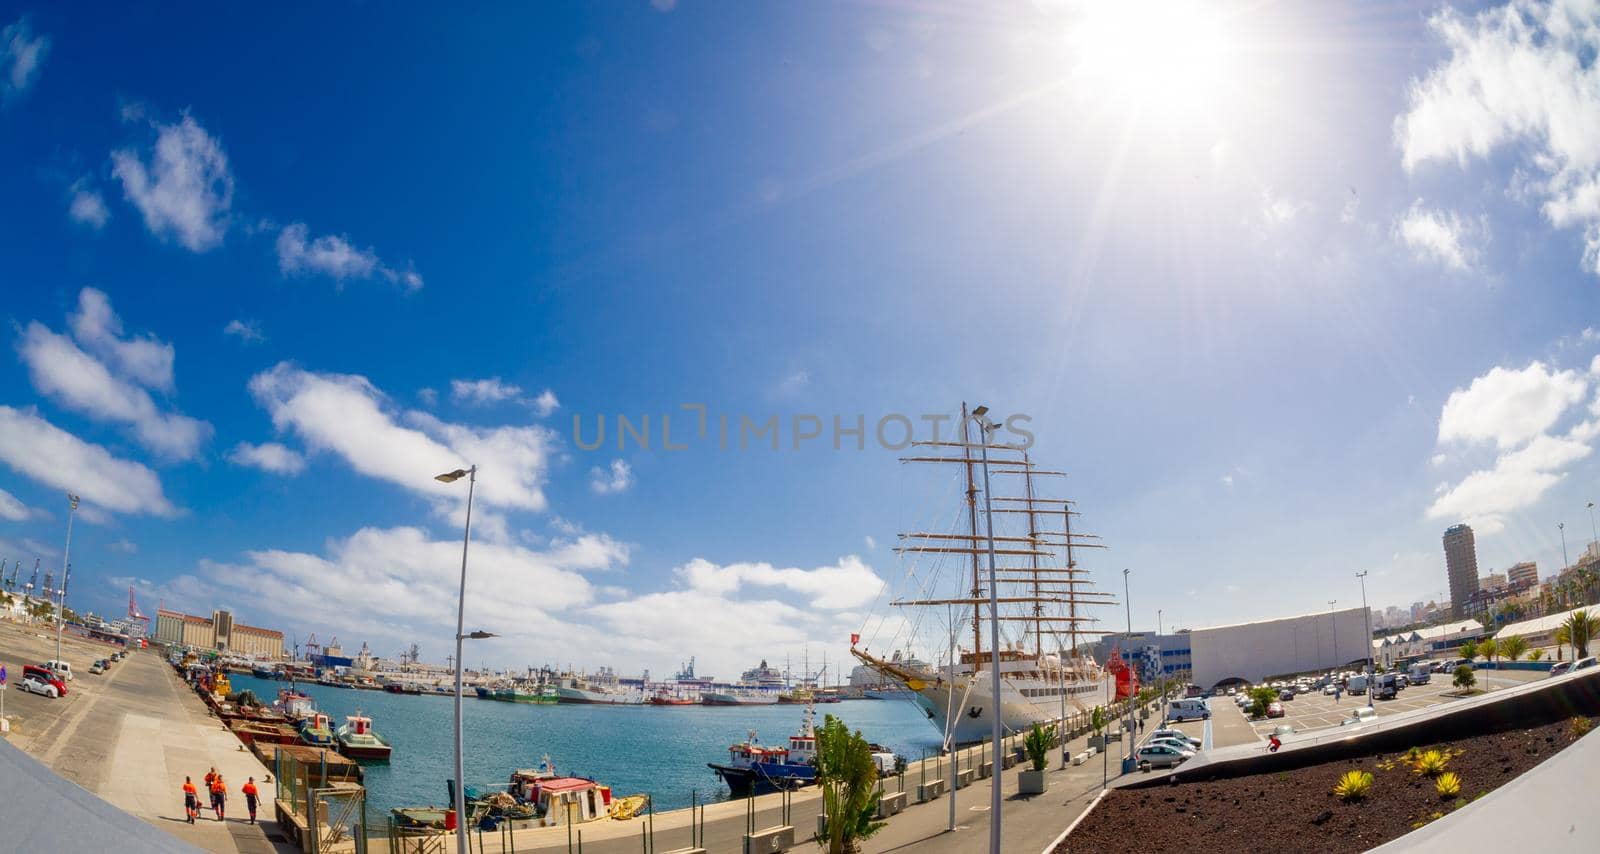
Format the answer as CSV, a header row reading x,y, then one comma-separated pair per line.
x,y
738,772
739,697
663,698
260,672
601,689
753,767
358,740
559,799
314,731
293,705
1042,590
401,688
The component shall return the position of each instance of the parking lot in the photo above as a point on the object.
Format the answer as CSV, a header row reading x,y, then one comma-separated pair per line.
x,y
1317,710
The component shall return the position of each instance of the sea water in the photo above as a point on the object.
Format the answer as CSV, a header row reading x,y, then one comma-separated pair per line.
x,y
658,750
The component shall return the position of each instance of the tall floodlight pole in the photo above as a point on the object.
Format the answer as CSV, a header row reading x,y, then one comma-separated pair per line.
x,y
1594,533
66,553
1128,731
985,428
1367,616
1562,526
950,713
461,609
1160,657
1335,619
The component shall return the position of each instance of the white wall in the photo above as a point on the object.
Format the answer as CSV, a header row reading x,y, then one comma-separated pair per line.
x,y
1254,651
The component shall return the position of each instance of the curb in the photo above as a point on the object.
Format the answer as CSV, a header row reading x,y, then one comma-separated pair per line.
x,y
1074,825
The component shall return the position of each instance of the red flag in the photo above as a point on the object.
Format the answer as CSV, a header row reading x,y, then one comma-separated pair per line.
x,y
854,638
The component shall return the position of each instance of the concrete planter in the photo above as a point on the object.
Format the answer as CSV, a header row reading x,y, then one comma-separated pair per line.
x,y
986,770
891,803
929,790
1008,761
963,778
1030,782
1097,742
772,839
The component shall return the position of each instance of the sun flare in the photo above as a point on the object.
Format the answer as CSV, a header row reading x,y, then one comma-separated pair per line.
x,y
1158,56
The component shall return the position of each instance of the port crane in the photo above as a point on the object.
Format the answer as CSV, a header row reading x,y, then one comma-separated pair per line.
x,y
136,615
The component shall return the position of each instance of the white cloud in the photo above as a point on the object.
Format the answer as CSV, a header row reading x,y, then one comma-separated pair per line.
x,y
184,189
1519,77
79,382
1439,236
1518,411
123,546
1279,210
51,456
1517,480
87,206
428,396
268,456
847,584
145,358
546,403
616,478
348,416
21,54
491,390
1510,406
248,331
793,383
1438,459
872,544
1227,480
1352,207
334,256
12,508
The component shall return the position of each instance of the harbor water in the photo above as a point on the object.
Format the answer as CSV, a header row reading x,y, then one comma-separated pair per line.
x,y
659,750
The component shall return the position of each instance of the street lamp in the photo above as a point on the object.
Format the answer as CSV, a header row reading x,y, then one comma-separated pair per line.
x,y
66,568
1593,532
1162,669
1563,528
985,428
471,475
1367,616
1335,619
1127,734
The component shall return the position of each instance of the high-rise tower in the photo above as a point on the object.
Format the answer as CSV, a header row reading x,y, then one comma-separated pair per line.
x,y
1461,564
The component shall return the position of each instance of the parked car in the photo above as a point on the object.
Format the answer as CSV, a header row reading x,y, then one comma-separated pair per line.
x,y
1275,710
97,667
34,684
43,676
1584,663
1179,743
1330,689
1161,756
1286,694
1282,730
1401,681
62,669
1361,715
1177,734
1560,667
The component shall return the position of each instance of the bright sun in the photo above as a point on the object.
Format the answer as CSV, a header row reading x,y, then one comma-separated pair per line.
x,y
1159,56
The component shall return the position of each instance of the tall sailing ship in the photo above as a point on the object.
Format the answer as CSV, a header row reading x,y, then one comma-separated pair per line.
x,y
1040,589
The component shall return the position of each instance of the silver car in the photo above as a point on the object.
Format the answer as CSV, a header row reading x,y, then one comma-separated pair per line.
x,y
1162,756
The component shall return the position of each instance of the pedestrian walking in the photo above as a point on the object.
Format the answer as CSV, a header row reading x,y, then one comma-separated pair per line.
x,y
219,797
191,800
250,797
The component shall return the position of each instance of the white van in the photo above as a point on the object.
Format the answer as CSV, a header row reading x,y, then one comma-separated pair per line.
x,y
1356,685
1188,710
1420,673
61,668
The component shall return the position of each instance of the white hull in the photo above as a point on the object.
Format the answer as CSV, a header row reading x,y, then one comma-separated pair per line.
x,y
974,707
723,698
599,698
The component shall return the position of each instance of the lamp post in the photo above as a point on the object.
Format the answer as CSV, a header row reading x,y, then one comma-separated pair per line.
x,y
1161,653
1367,617
1594,533
1562,526
1335,620
985,428
461,605
1128,730
61,603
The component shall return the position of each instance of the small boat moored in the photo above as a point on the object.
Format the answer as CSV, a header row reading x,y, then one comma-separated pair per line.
x,y
358,740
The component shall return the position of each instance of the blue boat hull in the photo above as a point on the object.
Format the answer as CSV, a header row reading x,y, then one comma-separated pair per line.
x,y
764,776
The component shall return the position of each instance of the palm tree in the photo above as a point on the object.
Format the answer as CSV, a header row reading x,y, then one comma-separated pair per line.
x,y
1469,650
1562,638
1513,647
1581,627
1488,648
849,781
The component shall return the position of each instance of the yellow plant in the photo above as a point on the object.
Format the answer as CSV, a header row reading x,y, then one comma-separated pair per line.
x,y
1353,785
1579,726
1431,763
1448,784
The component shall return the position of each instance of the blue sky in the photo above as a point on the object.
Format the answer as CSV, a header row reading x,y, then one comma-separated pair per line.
x,y
1287,289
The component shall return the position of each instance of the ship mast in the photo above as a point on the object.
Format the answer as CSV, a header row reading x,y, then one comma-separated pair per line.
x,y
972,528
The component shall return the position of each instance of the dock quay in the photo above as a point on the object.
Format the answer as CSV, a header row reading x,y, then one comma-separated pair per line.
x,y
916,808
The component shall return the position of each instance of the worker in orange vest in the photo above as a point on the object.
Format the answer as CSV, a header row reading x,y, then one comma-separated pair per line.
x,y
219,796
191,799
250,797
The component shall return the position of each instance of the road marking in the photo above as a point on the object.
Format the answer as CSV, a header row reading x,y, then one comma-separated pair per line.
x,y
1205,737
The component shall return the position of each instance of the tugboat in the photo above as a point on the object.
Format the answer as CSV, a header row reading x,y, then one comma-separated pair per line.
x,y
754,768
314,731
358,740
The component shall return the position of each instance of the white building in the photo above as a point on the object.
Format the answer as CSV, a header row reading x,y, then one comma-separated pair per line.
x,y
1540,631
1431,642
1256,651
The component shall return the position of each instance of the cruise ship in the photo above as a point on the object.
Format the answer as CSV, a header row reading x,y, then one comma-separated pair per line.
x,y
1041,589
